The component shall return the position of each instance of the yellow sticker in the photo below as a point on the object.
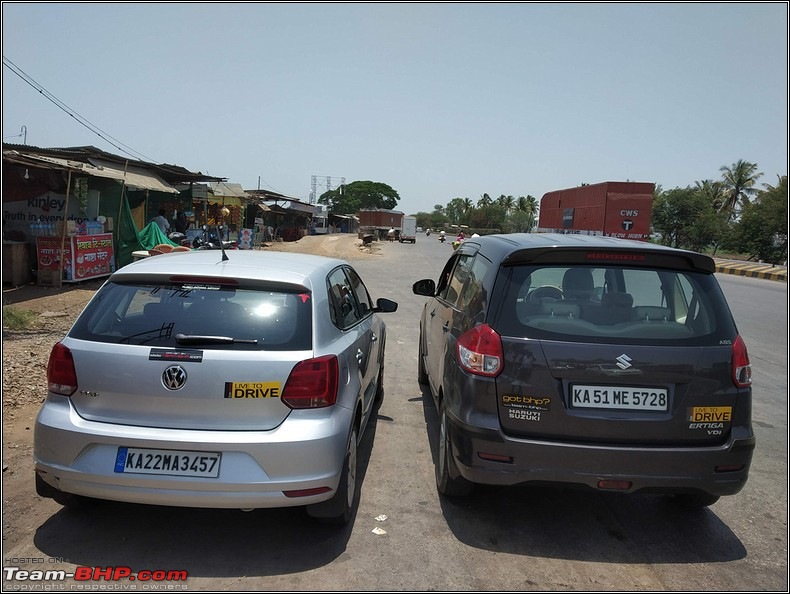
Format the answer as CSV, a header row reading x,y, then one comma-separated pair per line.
x,y
252,389
710,414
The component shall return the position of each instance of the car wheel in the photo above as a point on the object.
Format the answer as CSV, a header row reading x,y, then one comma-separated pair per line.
x,y
380,383
338,510
445,483
422,374
695,500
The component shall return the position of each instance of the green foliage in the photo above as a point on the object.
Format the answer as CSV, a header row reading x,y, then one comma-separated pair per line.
x,y
351,198
761,231
15,318
738,181
686,219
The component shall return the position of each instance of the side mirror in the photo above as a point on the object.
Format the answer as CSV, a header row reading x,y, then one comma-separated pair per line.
x,y
425,287
384,305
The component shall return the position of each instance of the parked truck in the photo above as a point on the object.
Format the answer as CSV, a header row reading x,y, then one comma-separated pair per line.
x,y
378,222
614,209
409,229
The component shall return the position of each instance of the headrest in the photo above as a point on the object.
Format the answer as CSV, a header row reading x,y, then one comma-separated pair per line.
x,y
617,299
578,283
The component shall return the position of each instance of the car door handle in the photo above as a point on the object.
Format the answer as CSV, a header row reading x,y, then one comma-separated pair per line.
x,y
360,356
446,327
433,313
373,337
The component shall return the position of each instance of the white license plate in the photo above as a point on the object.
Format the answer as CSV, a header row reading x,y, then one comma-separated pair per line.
x,y
619,398
167,462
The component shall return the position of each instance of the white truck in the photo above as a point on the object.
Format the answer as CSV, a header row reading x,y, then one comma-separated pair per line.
x,y
409,229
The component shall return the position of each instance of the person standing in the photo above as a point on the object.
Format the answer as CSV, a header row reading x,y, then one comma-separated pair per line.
x,y
161,220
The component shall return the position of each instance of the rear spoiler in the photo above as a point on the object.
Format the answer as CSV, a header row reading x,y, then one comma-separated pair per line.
x,y
653,256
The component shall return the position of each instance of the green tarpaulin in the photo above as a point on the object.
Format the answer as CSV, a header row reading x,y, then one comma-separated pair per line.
x,y
152,235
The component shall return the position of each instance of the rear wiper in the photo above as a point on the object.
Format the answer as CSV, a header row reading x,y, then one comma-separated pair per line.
x,y
198,339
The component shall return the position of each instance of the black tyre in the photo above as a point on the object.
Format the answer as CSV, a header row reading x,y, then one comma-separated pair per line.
x,y
422,374
380,383
445,483
339,509
69,500
695,500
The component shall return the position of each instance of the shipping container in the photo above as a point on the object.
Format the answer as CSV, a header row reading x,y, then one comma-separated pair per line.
x,y
614,209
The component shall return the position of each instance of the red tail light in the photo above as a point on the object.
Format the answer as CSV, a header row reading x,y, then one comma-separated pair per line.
x,y
480,351
61,375
741,368
312,383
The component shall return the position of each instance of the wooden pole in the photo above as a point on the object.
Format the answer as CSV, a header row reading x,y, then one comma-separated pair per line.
x,y
59,281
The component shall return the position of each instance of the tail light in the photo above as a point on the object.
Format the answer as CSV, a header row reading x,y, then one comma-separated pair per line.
x,y
61,375
741,368
312,383
480,351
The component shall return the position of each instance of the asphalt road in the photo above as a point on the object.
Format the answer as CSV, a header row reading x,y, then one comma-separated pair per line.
x,y
405,537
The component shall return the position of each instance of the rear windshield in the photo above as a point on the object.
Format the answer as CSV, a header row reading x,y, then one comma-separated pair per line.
x,y
180,315
613,305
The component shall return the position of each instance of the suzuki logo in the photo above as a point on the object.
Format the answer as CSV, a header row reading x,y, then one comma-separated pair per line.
x,y
623,361
174,377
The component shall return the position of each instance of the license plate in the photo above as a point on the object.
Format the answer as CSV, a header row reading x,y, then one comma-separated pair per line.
x,y
167,462
619,398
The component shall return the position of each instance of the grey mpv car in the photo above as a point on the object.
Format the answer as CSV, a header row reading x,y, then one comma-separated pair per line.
x,y
588,361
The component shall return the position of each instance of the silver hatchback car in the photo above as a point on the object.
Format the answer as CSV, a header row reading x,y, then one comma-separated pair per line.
x,y
197,381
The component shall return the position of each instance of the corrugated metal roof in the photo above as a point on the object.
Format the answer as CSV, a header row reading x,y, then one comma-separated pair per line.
x,y
131,176
228,189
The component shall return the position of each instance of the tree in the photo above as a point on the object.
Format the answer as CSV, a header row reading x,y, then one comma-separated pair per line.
x,y
485,200
686,219
761,231
350,198
739,181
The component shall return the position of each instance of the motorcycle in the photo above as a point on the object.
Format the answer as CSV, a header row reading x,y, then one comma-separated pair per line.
x,y
179,238
442,238
210,241
428,233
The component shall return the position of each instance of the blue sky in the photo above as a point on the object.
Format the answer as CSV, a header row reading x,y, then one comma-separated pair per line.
x,y
438,100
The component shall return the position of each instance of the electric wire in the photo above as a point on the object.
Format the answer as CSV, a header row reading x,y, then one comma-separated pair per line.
x,y
77,117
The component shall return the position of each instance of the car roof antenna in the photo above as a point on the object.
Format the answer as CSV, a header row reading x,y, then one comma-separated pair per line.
x,y
222,247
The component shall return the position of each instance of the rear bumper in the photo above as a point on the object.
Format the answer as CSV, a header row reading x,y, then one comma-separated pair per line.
x,y
648,469
76,456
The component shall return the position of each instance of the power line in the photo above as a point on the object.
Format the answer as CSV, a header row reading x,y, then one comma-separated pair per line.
x,y
80,119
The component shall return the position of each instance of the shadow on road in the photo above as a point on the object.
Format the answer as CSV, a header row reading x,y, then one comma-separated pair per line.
x,y
582,525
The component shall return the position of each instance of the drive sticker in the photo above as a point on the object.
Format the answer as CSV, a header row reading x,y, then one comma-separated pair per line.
x,y
710,414
252,390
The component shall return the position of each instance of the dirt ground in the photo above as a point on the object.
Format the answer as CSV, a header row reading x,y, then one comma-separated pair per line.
x,y
25,356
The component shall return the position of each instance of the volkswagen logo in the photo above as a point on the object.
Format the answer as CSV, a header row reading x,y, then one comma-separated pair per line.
x,y
623,361
174,377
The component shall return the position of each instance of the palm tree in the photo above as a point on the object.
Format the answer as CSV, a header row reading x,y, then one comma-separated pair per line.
x,y
739,181
468,205
714,191
485,200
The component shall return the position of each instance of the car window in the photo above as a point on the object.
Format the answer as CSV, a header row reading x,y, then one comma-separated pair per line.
x,y
360,293
343,309
473,294
444,277
458,277
618,304
152,315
